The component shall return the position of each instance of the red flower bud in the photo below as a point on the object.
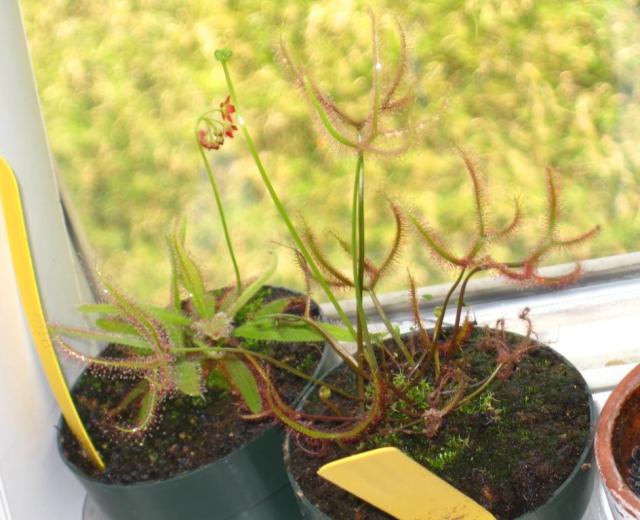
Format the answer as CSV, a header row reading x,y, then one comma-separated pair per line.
x,y
226,108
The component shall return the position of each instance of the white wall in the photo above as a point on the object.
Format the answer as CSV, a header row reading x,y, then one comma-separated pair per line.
x,y
33,480
34,485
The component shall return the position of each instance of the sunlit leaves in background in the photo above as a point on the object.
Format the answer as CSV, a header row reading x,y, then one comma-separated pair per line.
x,y
522,84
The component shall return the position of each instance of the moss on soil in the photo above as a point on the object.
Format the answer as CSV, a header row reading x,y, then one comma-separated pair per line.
x,y
509,449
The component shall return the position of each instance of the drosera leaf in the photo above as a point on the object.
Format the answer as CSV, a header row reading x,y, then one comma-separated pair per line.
x,y
160,313
146,413
167,315
146,324
176,335
241,378
274,328
118,327
188,272
253,288
135,342
143,363
188,377
174,282
99,308
273,307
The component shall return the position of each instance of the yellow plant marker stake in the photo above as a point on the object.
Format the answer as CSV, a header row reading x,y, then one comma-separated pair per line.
x,y
28,288
395,483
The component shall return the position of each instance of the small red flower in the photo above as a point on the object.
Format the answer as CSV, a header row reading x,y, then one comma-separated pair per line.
x,y
205,142
226,108
212,136
229,129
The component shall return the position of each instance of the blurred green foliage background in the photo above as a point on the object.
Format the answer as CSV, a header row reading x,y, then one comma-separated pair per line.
x,y
521,83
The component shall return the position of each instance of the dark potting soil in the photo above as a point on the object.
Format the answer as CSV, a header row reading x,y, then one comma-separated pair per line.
x,y
189,432
626,442
509,449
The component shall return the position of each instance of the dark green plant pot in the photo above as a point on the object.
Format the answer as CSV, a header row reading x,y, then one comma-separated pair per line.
x,y
250,483
568,502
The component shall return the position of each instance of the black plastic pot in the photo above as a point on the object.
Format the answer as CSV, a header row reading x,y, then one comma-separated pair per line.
x,y
250,483
568,502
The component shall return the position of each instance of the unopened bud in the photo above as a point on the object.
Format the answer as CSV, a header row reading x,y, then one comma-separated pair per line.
x,y
223,55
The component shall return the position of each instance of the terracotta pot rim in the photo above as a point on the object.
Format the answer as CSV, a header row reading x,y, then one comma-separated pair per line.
x,y
611,477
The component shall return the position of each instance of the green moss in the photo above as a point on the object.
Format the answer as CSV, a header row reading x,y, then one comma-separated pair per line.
x,y
454,447
484,403
308,363
253,305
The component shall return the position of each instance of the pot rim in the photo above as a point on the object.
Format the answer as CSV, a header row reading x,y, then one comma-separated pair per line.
x,y
585,455
611,477
223,461
320,370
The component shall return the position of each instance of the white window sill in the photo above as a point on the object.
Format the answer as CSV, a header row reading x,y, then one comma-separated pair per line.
x,y
588,323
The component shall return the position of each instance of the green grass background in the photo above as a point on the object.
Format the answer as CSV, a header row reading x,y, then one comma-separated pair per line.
x,y
522,84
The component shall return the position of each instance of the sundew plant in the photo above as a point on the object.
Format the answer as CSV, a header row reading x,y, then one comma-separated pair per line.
x,y
389,367
205,337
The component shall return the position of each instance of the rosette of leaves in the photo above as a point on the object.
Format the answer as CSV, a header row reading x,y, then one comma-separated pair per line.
x,y
209,339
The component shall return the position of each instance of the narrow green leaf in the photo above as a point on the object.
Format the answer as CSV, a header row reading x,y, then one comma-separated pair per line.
x,y
146,324
118,327
252,289
176,335
273,307
106,337
188,377
274,329
174,283
98,308
189,275
243,380
146,413
167,315
160,313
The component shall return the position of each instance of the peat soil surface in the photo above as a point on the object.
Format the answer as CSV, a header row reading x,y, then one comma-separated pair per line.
x,y
509,449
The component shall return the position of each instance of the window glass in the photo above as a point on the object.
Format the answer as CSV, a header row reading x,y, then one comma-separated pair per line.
x,y
521,85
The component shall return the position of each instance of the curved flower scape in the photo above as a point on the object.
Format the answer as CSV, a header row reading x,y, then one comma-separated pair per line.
x,y
212,136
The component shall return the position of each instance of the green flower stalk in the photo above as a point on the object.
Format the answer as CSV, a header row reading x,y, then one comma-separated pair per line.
x,y
223,56
218,124
361,135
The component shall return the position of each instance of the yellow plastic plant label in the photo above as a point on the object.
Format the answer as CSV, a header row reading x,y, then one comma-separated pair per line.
x,y
30,297
398,485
